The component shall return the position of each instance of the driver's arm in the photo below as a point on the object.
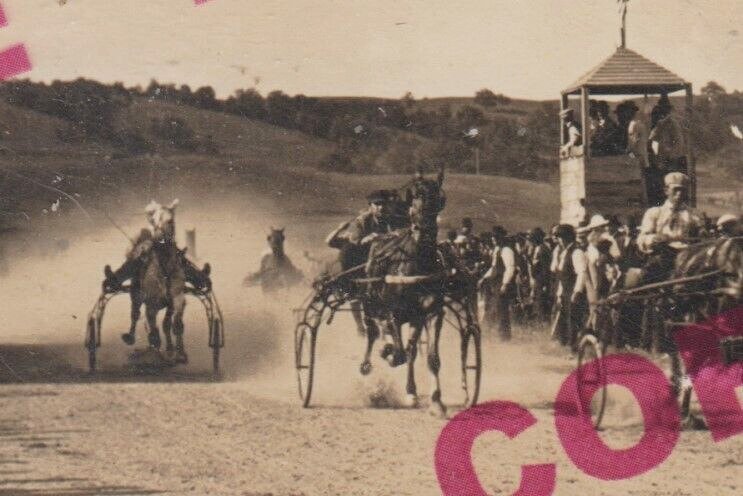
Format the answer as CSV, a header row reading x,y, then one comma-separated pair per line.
x,y
648,236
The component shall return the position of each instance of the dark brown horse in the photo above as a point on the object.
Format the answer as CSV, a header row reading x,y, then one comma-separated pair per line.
x,y
722,259
413,287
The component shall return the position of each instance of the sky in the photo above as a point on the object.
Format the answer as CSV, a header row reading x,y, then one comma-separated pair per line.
x,y
432,48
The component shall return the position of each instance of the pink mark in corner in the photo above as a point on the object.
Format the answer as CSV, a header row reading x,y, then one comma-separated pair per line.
x,y
13,60
199,2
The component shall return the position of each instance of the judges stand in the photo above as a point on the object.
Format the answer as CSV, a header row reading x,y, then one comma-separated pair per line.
x,y
614,184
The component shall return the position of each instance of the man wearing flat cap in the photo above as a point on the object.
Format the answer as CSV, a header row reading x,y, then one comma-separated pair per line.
x,y
353,240
668,228
360,232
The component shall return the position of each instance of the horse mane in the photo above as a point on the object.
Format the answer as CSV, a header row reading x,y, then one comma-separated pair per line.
x,y
722,257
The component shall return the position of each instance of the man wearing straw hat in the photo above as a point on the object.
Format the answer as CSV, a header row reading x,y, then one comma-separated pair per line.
x,y
602,271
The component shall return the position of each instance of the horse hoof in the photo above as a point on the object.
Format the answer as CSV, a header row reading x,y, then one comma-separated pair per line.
x,y
693,423
387,350
154,341
411,400
365,368
397,358
181,357
128,338
437,410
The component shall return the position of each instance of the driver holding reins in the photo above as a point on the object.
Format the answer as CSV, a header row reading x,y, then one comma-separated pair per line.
x,y
669,228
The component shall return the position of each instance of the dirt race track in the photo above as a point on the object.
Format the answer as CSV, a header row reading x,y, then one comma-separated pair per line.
x,y
125,432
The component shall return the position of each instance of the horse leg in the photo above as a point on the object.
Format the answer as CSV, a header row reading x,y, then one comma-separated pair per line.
x,y
154,335
136,312
410,389
394,352
358,317
372,333
167,326
179,307
437,407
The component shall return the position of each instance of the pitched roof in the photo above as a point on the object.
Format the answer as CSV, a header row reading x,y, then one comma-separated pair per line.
x,y
626,70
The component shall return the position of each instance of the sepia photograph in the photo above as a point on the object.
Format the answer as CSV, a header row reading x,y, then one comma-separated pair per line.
x,y
337,247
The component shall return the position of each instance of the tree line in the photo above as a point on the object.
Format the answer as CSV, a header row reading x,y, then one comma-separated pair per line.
x,y
371,135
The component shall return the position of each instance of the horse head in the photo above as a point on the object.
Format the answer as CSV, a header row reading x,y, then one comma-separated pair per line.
x,y
426,199
276,241
162,219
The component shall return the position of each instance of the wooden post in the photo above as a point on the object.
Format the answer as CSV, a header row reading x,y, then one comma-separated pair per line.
x,y
584,103
563,106
191,242
690,159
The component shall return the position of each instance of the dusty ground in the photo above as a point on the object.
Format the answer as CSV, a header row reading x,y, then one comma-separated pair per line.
x,y
180,432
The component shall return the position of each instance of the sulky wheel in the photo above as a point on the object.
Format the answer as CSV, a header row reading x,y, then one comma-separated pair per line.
x,y
591,379
304,343
681,387
91,343
471,364
216,343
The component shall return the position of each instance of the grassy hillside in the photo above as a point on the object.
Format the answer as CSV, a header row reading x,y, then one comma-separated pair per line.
x,y
280,169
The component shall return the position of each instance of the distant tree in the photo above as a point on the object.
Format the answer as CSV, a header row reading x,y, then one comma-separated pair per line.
x,y
185,96
279,109
486,98
206,98
408,100
469,117
247,103
713,91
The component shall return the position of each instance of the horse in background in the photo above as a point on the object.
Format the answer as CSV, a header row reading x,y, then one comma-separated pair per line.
x,y
408,262
277,271
158,273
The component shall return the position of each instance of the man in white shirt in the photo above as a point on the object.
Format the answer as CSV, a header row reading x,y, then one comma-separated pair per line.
x,y
501,276
668,228
570,268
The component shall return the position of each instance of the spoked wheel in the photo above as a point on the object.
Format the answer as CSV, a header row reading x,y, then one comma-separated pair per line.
x,y
591,377
681,387
216,342
471,364
91,343
305,337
